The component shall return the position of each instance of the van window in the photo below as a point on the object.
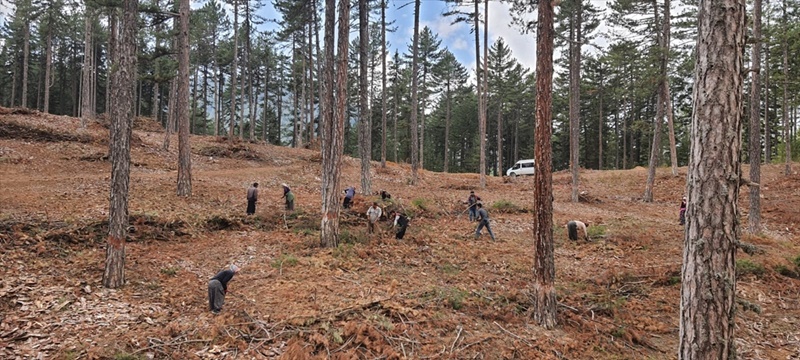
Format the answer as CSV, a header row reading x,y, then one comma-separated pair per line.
x,y
527,165
516,166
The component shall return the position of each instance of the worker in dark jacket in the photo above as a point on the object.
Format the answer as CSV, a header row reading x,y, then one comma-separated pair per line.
x,y
289,196
218,287
401,223
252,198
483,221
349,194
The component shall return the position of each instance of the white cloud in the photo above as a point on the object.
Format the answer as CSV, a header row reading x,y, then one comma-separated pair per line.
x,y
459,44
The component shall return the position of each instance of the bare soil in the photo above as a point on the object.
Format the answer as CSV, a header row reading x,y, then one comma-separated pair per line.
x,y
439,293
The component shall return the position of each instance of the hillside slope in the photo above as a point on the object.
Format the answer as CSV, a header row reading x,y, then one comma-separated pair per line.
x,y
439,293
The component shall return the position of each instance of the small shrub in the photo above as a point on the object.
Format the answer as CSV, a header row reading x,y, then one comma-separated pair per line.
x,y
674,280
449,269
505,206
785,271
284,260
796,261
596,231
421,203
356,237
746,267
343,251
170,271
125,356
455,298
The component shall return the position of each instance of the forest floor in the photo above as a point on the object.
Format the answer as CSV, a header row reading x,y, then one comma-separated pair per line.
x,y
439,293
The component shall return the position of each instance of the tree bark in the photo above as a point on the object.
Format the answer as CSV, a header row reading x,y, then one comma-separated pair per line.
x,y
574,97
673,153
708,285
26,49
87,112
447,128
113,24
754,215
543,296
123,79
787,139
364,123
479,90
655,149
48,63
233,68
500,137
383,84
600,125
333,124
767,127
414,96
182,111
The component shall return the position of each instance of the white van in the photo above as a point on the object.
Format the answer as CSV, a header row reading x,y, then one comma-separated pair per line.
x,y
522,167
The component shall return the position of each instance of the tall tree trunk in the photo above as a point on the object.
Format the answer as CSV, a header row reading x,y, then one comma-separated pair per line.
x,y
364,123
26,49
123,80
543,296
655,150
500,137
205,99
383,84
414,96
787,139
447,128
311,96
422,127
575,97
600,125
333,133
87,112
112,48
170,123
767,127
182,110
233,69
13,86
481,99
394,126
48,63
708,285
319,63
673,153
754,215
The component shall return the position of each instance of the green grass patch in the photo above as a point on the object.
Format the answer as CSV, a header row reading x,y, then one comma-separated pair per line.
x,y
170,271
505,206
796,261
125,356
455,297
786,271
596,231
749,267
422,204
344,251
284,260
353,237
449,269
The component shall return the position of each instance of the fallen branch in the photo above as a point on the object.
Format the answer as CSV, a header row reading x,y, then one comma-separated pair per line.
x,y
457,337
171,344
514,335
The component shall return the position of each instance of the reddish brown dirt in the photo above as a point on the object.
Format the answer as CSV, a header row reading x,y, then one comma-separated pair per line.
x,y
437,294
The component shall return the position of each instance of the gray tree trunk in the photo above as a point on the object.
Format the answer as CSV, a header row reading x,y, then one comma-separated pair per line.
x,y
48,63
414,96
182,110
543,295
383,84
364,123
575,98
708,285
655,149
123,80
26,50
87,112
233,69
333,123
754,215
481,95
787,139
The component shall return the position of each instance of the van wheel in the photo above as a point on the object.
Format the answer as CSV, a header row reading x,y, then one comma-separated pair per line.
x,y
513,174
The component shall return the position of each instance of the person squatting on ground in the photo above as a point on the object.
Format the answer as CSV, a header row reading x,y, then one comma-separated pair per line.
x,y
483,221
289,196
385,195
472,201
218,287
574,227
401,223
373,215
252,198
682,215
349,193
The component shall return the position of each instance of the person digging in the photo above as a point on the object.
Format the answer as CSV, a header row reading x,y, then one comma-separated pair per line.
x,y
288,195
218,287
373,215
483,221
